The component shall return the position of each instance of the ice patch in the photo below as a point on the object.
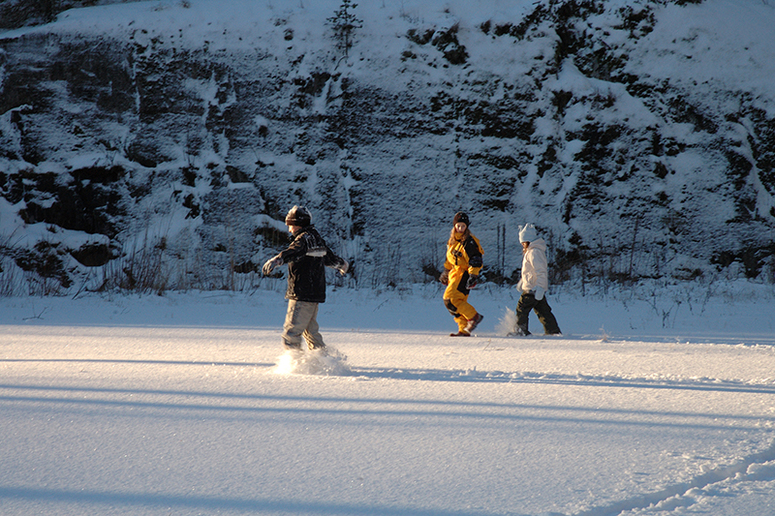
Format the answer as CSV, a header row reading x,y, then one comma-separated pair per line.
x,y
327,362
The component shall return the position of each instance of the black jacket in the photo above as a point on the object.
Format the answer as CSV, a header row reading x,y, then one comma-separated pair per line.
x,y
307,257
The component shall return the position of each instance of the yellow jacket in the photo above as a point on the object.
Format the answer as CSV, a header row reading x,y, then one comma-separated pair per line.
x,y
464,256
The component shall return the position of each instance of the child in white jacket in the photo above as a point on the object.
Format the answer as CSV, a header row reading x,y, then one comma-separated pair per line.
x,y
534,283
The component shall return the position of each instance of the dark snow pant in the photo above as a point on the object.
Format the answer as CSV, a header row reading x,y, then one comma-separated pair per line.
x,y
528,302
301,322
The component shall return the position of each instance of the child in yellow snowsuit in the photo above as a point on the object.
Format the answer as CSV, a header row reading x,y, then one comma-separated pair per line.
x,y
461,274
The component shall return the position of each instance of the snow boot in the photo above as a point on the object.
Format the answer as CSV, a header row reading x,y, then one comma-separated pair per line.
x,y
519,332
473,323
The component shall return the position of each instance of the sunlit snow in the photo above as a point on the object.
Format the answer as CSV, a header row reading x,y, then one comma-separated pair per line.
x,y
187,404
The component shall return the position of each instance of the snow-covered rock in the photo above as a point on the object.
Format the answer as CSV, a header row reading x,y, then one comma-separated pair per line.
x,y
638,136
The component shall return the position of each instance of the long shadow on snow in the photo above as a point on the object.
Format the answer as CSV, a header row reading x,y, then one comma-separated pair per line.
x,y
198,404
125,361
214,503
475,376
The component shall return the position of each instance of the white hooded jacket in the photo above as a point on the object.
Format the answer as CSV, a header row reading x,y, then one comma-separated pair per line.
x,y
534,267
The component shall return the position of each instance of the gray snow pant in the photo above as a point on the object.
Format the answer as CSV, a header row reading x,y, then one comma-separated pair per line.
x,y
301,321
529,302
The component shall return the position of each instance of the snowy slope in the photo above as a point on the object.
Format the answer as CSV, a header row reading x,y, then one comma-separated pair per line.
x,y
637,135
150,405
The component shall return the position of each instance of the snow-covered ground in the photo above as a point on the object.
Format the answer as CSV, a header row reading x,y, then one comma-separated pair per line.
x,y
174,405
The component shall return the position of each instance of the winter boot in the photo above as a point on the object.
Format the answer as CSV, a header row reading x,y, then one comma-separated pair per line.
x,y
473,323
519,332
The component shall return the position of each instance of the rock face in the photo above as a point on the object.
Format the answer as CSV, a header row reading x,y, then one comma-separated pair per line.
x,y
136,155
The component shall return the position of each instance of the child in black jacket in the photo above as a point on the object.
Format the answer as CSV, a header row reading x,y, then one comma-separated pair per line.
x,y
307,257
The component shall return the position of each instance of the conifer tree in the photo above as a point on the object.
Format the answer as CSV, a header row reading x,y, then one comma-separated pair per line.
x,y
344,23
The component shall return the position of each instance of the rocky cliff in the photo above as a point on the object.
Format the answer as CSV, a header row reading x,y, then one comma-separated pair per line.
x,y
156,145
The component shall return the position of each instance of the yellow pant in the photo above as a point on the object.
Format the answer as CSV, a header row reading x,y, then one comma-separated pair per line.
x,y
456,298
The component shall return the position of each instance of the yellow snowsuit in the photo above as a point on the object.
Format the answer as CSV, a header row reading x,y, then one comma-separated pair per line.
x,y
464,259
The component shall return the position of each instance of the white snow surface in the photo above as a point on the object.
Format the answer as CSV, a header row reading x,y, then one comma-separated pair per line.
x,y
658,402
655,401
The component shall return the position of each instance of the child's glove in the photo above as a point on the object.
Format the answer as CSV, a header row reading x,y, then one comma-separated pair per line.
x,y
444,277
270,265
472,282
540,293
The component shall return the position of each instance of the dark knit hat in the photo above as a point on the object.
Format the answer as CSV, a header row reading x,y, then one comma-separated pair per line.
x,y
298,216
461,217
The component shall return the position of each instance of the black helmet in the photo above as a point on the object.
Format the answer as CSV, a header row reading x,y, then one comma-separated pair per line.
x,y
298,216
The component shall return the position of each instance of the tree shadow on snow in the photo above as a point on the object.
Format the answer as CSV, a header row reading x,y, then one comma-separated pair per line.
x,y
476,376
210,504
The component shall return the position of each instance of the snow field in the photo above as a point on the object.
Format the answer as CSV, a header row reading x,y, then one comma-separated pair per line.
x,y
107,409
